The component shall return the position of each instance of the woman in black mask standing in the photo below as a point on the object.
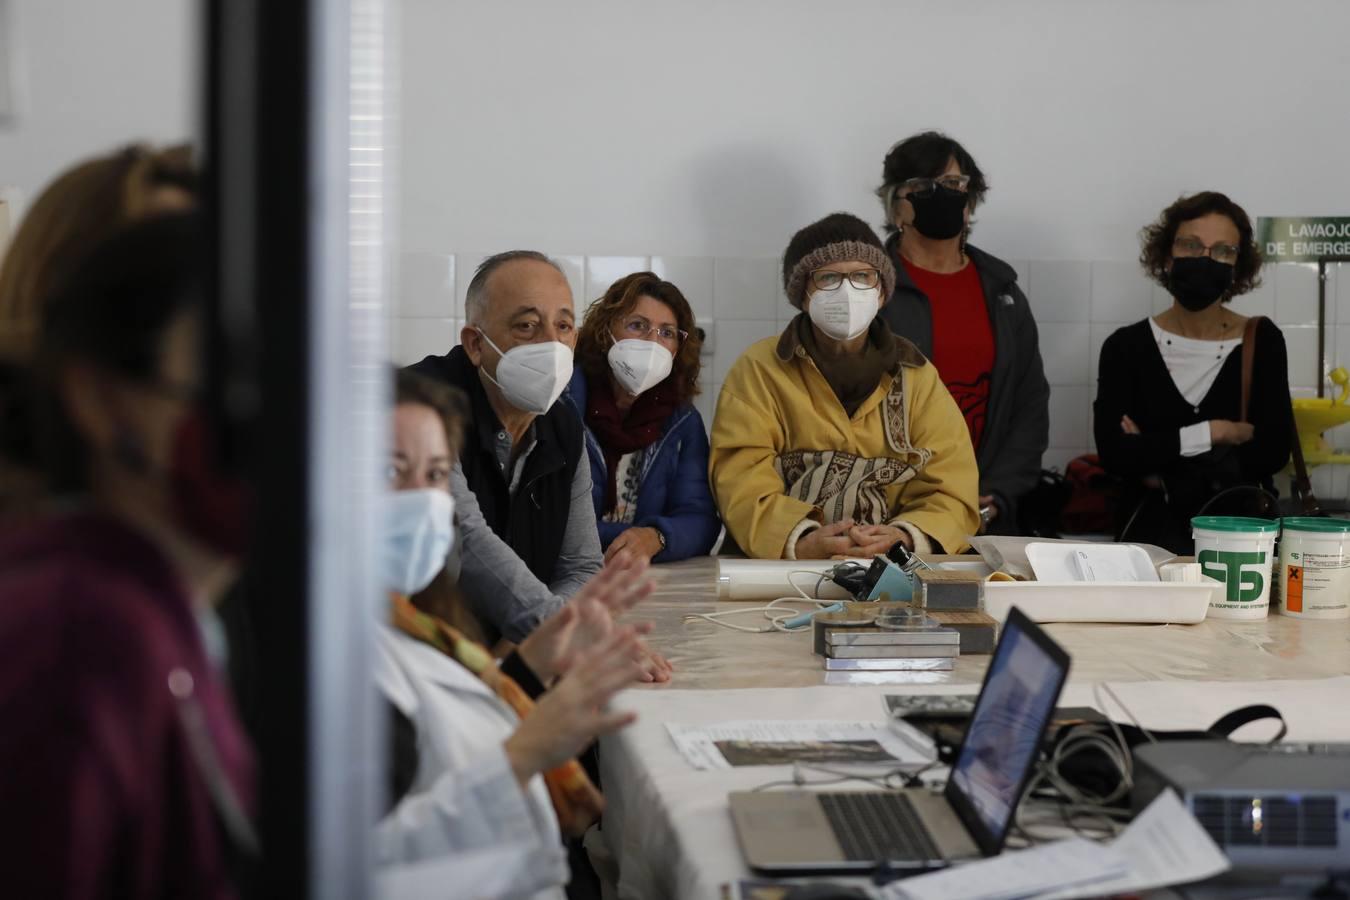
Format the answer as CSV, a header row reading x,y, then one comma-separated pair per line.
x,y
1169,410
963,309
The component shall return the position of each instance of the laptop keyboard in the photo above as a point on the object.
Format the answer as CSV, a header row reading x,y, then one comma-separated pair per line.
x,y
874,826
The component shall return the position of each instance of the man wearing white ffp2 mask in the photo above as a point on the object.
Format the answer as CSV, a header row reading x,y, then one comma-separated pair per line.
x,y
527,534
531,376
419,532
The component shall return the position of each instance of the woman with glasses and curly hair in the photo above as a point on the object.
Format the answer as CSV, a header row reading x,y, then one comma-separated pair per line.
x,y
1168,415
636,377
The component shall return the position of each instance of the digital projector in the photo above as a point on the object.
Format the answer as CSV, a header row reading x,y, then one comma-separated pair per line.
x,y
1270,808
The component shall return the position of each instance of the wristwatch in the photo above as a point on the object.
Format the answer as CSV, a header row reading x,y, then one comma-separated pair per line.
x,y
660,537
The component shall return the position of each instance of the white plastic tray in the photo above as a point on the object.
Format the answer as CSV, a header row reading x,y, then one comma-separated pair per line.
x,y
1160,602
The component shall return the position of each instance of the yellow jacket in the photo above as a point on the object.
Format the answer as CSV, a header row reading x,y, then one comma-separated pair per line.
x,y
786,456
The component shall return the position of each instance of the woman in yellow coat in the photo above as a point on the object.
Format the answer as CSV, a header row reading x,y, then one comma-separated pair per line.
x,y
838,438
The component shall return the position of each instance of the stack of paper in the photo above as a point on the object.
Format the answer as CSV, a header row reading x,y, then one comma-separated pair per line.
x,y
1163,846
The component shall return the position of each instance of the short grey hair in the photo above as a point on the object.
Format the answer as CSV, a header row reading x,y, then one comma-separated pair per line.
x,y
476,299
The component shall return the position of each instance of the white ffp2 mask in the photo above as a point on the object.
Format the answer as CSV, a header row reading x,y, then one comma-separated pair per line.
x,y
845,312
639,365
532,376
419,532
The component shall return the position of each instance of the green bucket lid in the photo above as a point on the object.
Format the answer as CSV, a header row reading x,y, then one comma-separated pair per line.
x,y
1315,524
1235,524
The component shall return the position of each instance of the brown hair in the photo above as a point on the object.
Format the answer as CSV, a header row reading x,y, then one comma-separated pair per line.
x,y
1158,238
449,403
594,338
76,212
441,598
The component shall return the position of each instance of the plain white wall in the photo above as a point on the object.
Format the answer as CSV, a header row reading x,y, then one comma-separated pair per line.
x,y
97,74
712,127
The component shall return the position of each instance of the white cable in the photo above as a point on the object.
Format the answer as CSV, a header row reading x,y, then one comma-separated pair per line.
x,y
1079,739
773,612
1121,703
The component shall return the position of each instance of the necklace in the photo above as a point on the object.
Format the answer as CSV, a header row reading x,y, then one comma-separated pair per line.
x,y
1221,332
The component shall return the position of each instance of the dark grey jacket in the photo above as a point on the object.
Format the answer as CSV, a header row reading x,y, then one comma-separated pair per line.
x,y
1017,425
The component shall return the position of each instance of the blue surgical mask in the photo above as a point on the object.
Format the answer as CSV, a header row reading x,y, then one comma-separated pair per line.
x,y
419,532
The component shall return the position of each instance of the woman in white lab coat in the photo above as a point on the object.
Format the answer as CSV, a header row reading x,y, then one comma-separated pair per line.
x,y
477,782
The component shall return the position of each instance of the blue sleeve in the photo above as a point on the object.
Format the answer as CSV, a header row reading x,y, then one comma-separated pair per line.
x,y
690,522
610,530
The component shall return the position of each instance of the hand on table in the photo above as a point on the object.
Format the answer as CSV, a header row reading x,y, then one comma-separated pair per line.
x,y
869,540
825,542
641,542
574,713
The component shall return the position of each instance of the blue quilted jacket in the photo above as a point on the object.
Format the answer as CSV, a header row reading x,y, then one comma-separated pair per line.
x,y
674,495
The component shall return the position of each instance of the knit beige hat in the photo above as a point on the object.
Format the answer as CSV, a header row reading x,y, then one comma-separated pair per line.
x,y
839,237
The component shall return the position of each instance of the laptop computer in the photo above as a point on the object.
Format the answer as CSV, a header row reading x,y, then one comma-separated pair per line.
x,y
801,832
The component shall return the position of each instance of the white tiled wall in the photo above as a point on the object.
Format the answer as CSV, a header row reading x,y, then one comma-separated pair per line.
x,y
1077,305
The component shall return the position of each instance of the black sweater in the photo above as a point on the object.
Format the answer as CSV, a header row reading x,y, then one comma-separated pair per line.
x,y
1133,380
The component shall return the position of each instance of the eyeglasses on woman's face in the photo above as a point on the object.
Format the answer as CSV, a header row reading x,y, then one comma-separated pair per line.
x,y
925,185
640,328
828,279
1219,251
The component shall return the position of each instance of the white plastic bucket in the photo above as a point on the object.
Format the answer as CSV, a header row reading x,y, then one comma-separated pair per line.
x,y
1313,579
1238,552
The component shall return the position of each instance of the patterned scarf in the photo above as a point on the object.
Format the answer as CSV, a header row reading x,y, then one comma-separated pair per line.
x,y
622,433
576,801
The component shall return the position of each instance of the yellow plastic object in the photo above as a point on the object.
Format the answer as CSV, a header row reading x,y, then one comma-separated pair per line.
x,y
1313,416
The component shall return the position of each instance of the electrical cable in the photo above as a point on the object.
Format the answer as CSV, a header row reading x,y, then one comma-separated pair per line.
x,y
891,780
1075,801
776,614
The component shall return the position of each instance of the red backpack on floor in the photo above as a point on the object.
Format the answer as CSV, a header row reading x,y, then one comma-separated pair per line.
x,y
1093,496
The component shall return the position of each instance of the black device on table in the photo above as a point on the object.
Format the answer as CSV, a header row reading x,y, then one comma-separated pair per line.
x,y
859,580
800,832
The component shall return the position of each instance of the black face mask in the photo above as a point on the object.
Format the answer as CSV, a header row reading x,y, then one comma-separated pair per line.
x,y
1198,281
939,214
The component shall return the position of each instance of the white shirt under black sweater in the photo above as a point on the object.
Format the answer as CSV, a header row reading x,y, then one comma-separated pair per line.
x,y
1133,380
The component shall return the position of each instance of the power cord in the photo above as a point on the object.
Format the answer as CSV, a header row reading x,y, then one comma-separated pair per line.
x,y
892,780
1073,801
778,616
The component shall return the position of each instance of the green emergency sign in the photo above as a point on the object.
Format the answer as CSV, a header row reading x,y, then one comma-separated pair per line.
x,y
1303,238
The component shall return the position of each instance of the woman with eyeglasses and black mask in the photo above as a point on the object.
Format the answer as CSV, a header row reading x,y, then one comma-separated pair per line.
x,y
1168,414
962,307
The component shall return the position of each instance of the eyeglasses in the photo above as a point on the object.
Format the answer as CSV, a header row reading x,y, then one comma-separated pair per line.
x,y
639,328
924,185
828,279
1219,252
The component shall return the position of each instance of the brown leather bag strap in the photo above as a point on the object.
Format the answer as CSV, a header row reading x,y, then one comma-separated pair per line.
x,y
1248,360
1302,483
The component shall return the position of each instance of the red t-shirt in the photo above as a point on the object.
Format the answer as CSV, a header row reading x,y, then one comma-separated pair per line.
x,y
963,340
